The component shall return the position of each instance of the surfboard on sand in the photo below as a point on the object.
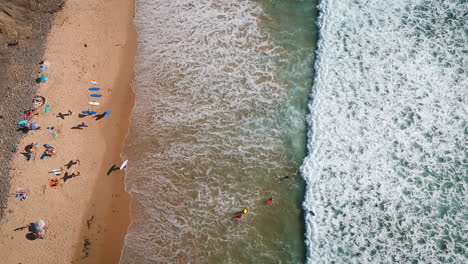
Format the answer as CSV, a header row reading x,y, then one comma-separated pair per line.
x,y
124,164
96,95
47,109
94,89
88,112
22,122
93,103
107,113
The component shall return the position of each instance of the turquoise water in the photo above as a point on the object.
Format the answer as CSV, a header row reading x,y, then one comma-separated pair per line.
x,y
221,95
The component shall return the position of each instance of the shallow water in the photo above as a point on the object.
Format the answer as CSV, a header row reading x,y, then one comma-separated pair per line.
x,y
387,168
221,93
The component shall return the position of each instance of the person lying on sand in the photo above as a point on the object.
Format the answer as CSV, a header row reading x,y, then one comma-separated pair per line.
x,y
31,151
54,182
49,153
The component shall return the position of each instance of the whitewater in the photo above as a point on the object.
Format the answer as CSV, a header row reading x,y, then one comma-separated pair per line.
x,y
219,125
386,171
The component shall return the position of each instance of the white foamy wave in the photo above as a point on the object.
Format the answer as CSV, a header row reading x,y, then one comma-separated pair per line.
x,y
387,165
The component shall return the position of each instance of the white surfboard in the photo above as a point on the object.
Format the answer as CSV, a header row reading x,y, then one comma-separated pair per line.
x,y
124,164
93,82
93,103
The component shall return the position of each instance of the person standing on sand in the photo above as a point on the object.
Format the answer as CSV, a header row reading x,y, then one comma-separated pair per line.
x,y
67,177
64,115
71,163
82,124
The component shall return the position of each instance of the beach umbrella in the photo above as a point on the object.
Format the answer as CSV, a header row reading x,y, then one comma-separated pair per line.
x,y
40,224
34,125
43,78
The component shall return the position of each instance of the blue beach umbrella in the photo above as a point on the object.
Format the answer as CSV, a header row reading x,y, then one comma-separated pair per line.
x,y
34,125
43,78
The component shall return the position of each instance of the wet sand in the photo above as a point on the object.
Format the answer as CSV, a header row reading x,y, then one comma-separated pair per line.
x,y
88,215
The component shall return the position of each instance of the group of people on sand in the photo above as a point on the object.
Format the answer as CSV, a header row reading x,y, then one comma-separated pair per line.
x,y
39,229
55,181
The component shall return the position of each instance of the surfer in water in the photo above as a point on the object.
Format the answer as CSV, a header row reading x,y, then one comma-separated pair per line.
x,y
239,215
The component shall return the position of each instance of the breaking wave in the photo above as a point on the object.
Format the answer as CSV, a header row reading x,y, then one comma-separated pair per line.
x,y
387,164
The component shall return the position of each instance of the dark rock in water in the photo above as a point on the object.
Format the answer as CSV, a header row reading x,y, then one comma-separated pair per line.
x,y
24,25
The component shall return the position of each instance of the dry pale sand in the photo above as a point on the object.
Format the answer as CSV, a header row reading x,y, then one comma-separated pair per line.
x,y
90,40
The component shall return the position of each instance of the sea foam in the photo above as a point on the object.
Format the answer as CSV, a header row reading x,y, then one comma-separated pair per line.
x,y
387,164
214,128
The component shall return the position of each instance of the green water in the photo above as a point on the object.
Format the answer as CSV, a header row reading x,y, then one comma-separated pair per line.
x,y
291,26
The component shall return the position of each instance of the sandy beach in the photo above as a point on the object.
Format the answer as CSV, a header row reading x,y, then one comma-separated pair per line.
x,y
24,26
88,215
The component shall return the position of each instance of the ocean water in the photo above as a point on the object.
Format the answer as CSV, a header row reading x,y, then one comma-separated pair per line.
x,y
387,165
219,125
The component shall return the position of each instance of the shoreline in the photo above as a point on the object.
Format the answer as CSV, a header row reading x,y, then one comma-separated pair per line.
x,y
86,42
